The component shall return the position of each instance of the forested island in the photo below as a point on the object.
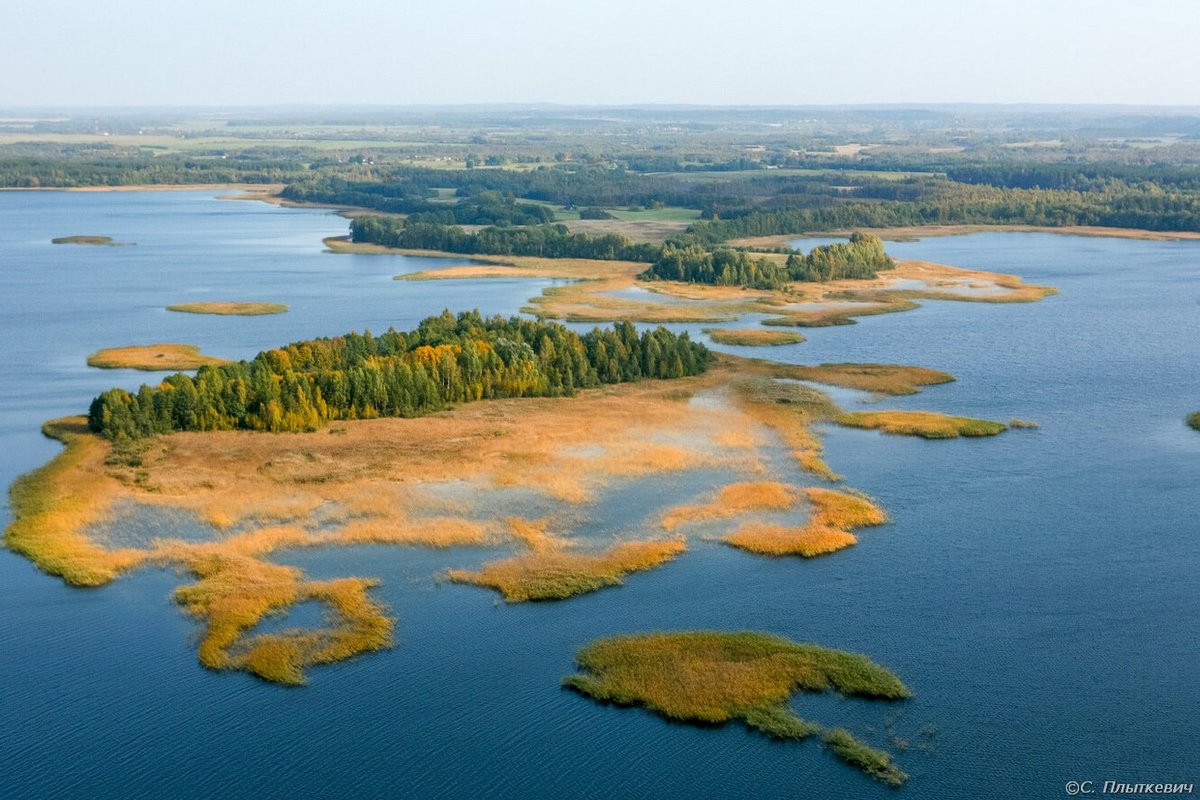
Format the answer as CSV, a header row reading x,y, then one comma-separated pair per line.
x,y
447,359
862,257
684,260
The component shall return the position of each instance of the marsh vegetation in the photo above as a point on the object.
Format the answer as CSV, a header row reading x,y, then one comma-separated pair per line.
x,y
378,481
229,308
559,574
153,358
606,290
834,515
102,241
753,337
566,417
883,379
711,677
926,424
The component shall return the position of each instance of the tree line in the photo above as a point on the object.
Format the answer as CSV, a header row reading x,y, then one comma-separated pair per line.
x,y
1083,177
548,241
1155,210
406,189
447,359
44,172
418,200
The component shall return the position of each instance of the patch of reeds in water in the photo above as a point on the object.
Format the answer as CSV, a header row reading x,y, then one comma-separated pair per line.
x,y
926,424
714,677
834,516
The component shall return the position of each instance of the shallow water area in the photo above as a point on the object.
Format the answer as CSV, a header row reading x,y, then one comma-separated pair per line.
x,y
1036,590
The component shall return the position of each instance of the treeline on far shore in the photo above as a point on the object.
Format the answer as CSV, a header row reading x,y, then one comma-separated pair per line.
x,y
1164,197
447,359
976,205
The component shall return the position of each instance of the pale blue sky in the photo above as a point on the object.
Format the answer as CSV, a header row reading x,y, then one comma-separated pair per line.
x,y
241,52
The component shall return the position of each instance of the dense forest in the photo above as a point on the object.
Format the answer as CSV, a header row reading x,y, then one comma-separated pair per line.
x,y
1079,177
862,257
421,201
694,263
549,241
412,189
447,359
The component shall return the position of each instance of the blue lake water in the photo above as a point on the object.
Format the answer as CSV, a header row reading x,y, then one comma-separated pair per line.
x,y
1038,590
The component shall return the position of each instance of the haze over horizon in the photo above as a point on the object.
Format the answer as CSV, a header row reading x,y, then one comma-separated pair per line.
x,y
618,52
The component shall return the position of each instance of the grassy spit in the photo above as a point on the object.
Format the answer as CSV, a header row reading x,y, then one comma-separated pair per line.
x,y
1194,420
753,337
732,500
712,677
557,575
890,379
834,516
926,424
52,505
789,410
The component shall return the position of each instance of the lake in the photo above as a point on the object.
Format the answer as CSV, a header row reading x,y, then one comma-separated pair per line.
x,y
1036,590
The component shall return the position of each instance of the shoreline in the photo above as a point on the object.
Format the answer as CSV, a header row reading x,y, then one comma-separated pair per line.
x,y
592,294
249,188
262,192
342,245
269,193
913,232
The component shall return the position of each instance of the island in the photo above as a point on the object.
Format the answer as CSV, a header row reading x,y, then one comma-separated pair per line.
x,y
925,424
153,358
101,241
229,309
714,677
753,337
355,440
